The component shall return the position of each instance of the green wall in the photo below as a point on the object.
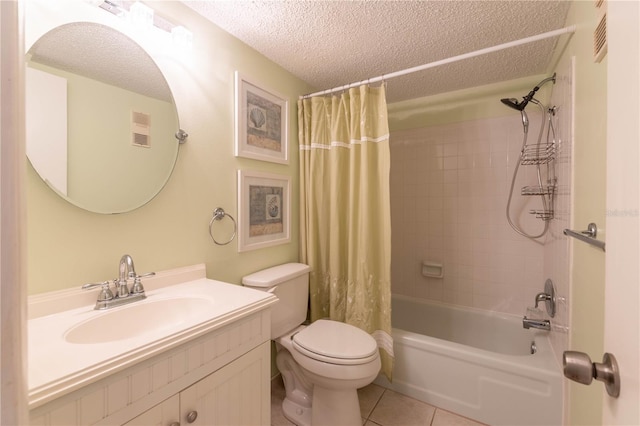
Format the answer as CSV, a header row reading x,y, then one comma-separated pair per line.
x,y
68,247
589,189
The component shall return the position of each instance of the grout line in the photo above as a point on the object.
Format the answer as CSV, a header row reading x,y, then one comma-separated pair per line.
x,y
375,405
434,416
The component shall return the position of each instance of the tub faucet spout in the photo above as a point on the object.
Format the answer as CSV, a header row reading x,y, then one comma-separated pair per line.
x,y
536,323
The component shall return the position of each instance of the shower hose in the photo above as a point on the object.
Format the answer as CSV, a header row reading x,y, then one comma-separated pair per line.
x,y
539,173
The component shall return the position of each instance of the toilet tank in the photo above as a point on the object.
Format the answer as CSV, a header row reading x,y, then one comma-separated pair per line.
x,y
290,283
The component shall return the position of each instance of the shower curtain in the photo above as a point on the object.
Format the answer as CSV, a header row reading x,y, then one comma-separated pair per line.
x,y
345,210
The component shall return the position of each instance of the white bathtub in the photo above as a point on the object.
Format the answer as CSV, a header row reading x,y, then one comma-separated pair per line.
x,y
474,363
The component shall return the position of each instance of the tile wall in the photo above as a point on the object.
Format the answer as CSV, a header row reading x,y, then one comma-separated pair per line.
x,y
557,252
449,189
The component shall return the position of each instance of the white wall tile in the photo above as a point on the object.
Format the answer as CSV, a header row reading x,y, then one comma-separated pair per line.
x,y
453,210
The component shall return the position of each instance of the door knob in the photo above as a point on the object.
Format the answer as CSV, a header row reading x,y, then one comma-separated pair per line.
x,y
578,367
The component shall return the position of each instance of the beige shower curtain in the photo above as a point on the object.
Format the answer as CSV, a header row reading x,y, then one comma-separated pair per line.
x,y
345,211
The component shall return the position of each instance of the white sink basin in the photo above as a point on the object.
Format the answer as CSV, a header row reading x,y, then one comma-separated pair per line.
x,y
134,320
85,345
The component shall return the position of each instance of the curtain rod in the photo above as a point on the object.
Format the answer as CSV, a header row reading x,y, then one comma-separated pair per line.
x,y
571,29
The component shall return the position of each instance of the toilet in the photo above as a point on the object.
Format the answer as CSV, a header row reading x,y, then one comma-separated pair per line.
x,y
323,363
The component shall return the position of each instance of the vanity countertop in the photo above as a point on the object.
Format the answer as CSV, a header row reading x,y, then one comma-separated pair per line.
x,y
61,361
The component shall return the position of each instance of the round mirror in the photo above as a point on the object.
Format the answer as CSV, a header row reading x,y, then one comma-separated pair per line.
x,y
100,118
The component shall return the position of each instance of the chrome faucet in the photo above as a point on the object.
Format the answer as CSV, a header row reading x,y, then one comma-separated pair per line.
x,y
126,271
536,323
549,299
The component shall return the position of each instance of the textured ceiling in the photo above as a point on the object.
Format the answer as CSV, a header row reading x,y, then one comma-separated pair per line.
x,y
333,43
101,53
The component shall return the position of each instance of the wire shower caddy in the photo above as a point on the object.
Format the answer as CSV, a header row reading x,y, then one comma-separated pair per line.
x,y
542,154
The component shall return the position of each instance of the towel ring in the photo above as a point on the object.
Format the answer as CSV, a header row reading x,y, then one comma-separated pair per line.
x,y
219,214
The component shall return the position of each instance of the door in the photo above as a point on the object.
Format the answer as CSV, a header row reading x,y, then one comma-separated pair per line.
x,y
622,292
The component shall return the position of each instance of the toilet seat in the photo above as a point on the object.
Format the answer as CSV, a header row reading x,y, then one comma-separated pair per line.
x,y
335,343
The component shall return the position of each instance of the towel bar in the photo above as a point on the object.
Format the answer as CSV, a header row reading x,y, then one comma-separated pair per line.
x,y
588,236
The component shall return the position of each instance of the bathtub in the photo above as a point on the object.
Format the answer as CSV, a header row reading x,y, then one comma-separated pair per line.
x,y
474,363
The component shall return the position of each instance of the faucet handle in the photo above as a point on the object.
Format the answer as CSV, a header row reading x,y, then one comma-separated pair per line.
x,y
147,274
542,297
548,297
137,283
105,294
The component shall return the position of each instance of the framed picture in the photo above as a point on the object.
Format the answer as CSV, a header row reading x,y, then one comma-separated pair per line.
x,y
261,123
263,209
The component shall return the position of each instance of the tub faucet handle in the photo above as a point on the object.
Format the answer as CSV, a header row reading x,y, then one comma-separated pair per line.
x,y
548,297
542,297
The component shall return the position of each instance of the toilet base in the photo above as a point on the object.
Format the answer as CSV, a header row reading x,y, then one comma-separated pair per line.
x,y
296,413
335,407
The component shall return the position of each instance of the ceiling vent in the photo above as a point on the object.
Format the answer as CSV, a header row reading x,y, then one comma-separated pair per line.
x,y
600,44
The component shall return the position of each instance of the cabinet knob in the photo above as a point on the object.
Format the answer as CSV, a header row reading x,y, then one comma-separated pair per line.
x,y
192,416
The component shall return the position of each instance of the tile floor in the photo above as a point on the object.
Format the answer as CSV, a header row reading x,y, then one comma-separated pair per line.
x,y
381,407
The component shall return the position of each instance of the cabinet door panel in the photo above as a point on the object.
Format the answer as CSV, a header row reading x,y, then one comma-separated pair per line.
x,y
162,414
237,394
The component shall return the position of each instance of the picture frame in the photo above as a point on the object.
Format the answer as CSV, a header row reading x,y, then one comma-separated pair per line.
x,y
262,122
264,210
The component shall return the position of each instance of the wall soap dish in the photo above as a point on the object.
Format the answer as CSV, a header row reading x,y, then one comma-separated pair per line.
x,y
432,270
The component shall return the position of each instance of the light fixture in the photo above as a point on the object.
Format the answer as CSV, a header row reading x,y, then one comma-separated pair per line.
x,y
167,36
108,6
182,38
141,16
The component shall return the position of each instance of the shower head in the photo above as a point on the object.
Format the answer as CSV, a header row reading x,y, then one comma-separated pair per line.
x,y
513,103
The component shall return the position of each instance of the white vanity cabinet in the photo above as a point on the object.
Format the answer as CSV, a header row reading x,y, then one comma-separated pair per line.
x,y
219,368
223,376
234,395
163,414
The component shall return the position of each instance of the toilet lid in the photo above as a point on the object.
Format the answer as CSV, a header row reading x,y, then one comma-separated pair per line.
x,y
339,342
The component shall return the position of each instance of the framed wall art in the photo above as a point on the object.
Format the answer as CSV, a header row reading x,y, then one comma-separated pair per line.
x,y
263,209
261,122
